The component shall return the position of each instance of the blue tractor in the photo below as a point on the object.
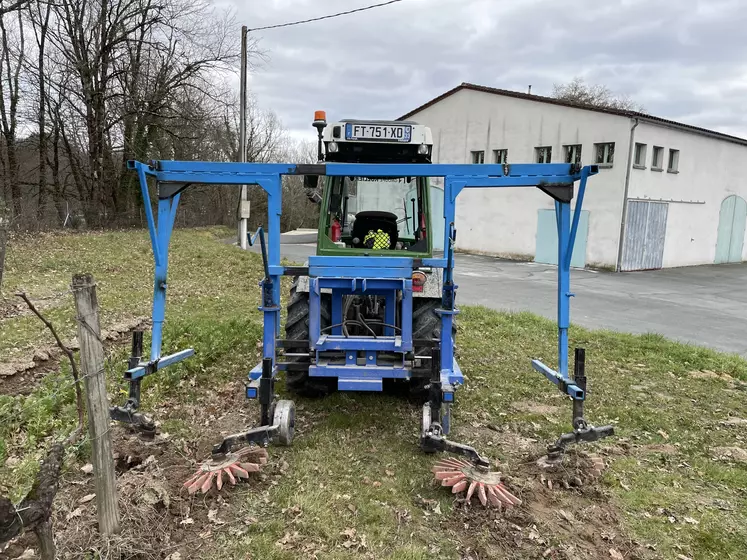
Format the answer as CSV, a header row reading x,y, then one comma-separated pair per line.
x,y
375,307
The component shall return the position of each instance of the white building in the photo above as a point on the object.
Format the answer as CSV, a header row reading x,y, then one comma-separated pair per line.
x,y
667,194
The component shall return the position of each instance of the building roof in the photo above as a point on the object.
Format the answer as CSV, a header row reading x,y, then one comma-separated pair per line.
x,y
565,103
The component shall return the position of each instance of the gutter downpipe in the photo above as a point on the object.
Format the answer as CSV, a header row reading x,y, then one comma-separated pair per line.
x,y
624,218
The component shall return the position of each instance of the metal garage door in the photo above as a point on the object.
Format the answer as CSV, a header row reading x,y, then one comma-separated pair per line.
x,y
645,231
731,226
546,250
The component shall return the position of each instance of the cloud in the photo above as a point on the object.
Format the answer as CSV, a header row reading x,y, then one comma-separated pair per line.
x,y
684,60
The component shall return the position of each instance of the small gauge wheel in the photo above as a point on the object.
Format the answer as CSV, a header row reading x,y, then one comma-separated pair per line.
x,y
285,418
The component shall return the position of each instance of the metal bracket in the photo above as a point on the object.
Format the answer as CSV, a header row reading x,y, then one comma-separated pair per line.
x,y
296,271
128,413
431,436
564,384
430,442
143,369
170,190
582,432
266,392
586,434
262,435
561,193
310,169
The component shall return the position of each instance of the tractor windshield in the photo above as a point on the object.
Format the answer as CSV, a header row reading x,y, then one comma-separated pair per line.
x,y
395,205
393,195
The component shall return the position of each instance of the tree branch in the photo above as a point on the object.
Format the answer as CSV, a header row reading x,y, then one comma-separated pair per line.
x,y
76,374
14,6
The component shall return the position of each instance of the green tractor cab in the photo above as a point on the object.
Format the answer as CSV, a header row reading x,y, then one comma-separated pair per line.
x,y
374,216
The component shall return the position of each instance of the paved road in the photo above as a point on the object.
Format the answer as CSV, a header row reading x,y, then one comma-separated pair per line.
x,y
705,305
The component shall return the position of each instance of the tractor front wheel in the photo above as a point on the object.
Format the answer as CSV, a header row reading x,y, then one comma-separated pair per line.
x,y
297,328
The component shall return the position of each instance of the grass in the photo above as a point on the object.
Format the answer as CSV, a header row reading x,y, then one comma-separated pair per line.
x,y
354,483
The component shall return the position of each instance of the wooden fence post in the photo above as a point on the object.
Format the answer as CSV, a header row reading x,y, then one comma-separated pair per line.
x,y
94,381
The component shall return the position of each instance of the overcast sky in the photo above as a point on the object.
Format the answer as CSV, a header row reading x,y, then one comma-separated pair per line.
x,y
685,60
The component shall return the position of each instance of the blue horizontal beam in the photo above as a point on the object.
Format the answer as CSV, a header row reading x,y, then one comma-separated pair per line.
x,y
166,167
142,369
379,344
561,172
374,286
358,261
565,384
494,175
360,385
359,372
354,272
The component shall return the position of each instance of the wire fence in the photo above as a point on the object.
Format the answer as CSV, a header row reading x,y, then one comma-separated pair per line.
x,y
61,391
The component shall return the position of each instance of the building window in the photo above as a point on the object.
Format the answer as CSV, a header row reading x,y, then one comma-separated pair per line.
x,y
674,161
543,154
656,159
500,156
478,157
605,153
572,153
640,156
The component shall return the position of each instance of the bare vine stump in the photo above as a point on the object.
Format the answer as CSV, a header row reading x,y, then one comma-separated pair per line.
x,y
94,381
35,511
45,537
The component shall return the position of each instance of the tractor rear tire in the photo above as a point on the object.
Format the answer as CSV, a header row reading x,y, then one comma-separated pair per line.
x,y
297,328
426,324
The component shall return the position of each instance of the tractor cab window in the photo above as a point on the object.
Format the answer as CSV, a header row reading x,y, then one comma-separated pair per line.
x,y
380,212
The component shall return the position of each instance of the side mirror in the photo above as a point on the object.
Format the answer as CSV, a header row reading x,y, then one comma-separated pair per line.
x,y
310,181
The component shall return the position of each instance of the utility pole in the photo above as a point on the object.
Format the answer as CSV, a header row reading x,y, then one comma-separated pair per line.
x,y
244,196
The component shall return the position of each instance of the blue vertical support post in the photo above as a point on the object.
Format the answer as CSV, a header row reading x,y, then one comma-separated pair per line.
x,y
406,332
160,236
314,311
567,229
166,215
448,308
271,304
563,213
274,206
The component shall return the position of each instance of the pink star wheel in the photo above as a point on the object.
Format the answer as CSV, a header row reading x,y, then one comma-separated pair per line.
x,y
462,476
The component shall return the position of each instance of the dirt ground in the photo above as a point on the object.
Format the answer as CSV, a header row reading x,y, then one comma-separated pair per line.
x,y
160,520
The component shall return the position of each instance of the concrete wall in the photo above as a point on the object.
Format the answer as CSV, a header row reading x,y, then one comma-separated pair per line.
x,y
504,221
709,170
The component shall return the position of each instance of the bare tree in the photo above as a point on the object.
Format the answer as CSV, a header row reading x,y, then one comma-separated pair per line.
x,y
13,6
169,93
88,36
54,161
10,90
40,21
105,81
578,91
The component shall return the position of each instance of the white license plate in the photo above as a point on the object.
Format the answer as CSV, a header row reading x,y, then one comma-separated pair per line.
x,y
380,132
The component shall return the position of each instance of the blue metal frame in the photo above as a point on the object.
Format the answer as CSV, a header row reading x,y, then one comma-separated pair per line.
x,y
356,274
